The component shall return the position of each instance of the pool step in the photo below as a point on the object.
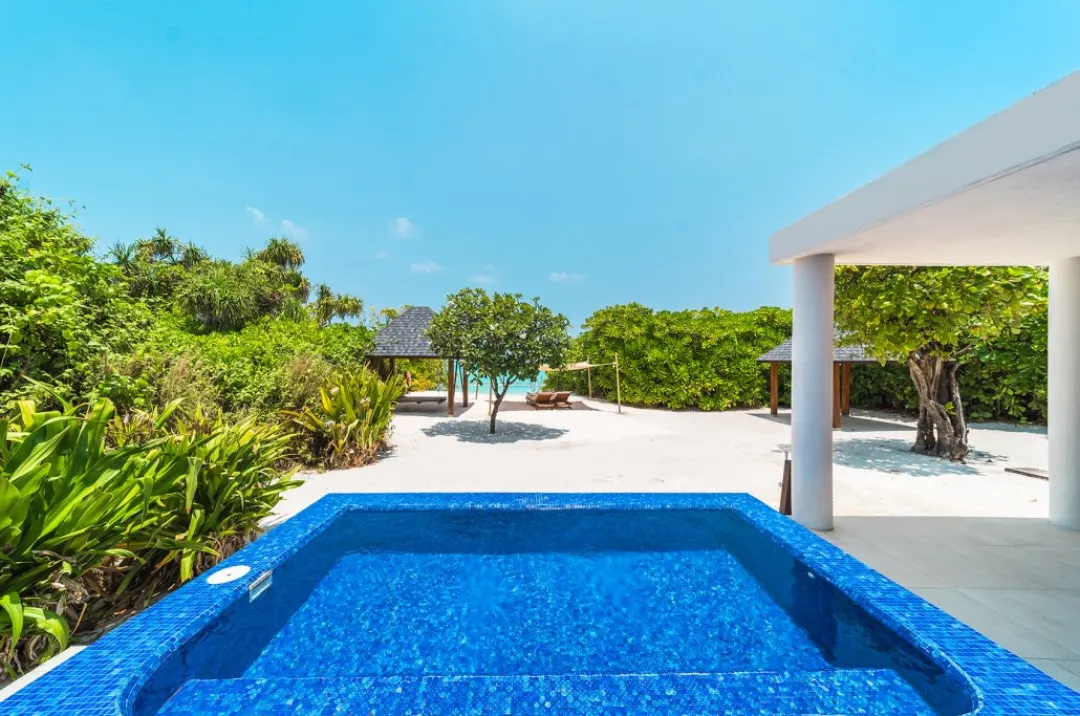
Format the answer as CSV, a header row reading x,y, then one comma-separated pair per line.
x,y
849,691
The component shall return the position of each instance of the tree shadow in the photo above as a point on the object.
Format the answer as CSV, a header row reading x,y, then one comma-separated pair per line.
x,y
894,456
476,431
850,423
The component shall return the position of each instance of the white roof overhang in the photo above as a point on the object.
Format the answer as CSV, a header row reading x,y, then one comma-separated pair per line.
x,y
1006,191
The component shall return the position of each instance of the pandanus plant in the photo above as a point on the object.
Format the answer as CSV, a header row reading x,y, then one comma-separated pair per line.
x,y
351,421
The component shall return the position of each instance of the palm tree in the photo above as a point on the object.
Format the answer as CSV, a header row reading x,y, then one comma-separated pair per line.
x,y
301,285
191,255
123,256
348,306
323,306
282,252
161,246
328,305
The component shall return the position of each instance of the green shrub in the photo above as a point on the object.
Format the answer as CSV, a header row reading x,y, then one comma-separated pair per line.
x,y
89,531
678,359
66,505
234,483
297,381
251,370
427,373
351,421
62,312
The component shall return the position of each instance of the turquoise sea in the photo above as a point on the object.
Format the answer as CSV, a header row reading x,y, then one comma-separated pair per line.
x,y
518,388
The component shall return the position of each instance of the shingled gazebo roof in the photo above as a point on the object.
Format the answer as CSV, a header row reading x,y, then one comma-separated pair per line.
x,y
406,336
841,354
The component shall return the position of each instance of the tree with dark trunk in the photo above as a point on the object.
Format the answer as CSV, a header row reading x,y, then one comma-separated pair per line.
x,y
931,318
500,337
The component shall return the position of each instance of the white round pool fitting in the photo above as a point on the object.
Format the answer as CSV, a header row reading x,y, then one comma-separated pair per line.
x,y
229,574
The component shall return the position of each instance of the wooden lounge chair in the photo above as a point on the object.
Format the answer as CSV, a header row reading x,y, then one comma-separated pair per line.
x,y
562,400
541,401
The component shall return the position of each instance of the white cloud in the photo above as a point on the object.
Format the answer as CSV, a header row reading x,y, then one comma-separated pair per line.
x,y
257,216
382,255
564,277
294,230
403,228
486,274
425,267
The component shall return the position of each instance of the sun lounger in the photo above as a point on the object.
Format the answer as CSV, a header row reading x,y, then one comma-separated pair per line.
x,y
541,401
423,398
562,400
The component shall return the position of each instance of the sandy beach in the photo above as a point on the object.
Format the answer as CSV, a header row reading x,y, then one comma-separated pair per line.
x,y
595,449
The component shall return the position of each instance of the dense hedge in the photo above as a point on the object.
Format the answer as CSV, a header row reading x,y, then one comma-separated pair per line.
x,y
704,359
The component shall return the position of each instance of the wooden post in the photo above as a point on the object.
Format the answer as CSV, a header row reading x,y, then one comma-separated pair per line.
x,y
464,388
845,388
785,487
451,385
836,419
774,388
588,375
618,384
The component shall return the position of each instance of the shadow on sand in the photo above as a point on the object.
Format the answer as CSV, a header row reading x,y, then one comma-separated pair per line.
x,y
894,455
851,423
476,431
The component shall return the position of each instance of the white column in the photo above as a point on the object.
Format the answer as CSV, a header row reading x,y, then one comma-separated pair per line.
x,y
812,393
1063,419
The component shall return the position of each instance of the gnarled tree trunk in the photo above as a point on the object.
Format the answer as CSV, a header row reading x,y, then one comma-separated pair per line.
x,y
941,429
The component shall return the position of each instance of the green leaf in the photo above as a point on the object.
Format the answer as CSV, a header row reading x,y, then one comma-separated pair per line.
x,y
12,606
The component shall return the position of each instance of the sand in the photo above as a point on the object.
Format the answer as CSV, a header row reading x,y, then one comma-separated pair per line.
x,y
595,449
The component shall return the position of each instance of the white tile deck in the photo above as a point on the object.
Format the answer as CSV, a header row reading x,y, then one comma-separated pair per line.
x,y
1016,580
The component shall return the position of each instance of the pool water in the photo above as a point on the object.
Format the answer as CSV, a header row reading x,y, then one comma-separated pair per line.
x,y
688,611
531,607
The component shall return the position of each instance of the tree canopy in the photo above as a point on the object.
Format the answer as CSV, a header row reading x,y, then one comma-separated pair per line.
x,y
500,337
932,318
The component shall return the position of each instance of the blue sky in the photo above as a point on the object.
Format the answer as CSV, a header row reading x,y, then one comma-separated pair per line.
x,y
590,153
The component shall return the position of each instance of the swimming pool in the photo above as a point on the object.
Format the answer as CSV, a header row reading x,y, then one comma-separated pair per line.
x,y
555,604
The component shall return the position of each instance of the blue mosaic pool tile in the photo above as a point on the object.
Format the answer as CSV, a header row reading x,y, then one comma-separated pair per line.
x,y
851,692
109,677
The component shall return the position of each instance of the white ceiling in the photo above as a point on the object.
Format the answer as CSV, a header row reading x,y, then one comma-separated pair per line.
x,y
1005,191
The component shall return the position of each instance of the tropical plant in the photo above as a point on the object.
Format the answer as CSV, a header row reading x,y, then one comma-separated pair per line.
x,y
499,337
281,252
249,370
328,305
61,310
66,506
935,319
234,484
225,295
426,373
351,422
